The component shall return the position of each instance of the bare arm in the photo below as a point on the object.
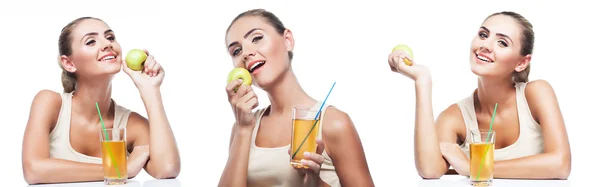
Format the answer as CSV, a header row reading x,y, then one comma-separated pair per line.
x,y
428,134
555,162
38,167
428,156
236,169
164,160
242,102
343,145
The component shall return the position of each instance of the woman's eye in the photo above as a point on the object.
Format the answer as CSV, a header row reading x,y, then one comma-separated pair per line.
x,y
503,43
236,51
257,38
90,42
483,35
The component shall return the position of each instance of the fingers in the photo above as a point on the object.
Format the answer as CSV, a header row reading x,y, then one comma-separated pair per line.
x,y
151,67
399,57
312,166
313,161
230,88
320,146
125,68
248,101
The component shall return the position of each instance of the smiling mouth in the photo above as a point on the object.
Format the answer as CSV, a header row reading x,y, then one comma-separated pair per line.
x,y
482,58
256,66
107,58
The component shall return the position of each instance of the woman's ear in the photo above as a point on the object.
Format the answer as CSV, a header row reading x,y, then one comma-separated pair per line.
x,y
67,64
523,63
288,37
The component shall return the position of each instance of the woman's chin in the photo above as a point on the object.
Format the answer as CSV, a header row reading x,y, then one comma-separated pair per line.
x,y
479,71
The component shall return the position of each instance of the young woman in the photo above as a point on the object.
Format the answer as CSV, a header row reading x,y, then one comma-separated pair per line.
x,y
531,139
61,141
259,147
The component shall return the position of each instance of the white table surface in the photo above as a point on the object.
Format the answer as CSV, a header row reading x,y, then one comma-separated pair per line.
x,y
446,181
141,180
461,181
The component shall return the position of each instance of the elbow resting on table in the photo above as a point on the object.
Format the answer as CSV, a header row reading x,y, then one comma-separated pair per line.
x,y
31,174
563,168
169,171
429,173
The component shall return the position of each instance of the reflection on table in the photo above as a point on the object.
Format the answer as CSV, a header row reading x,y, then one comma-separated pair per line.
x,y
130,183
460,181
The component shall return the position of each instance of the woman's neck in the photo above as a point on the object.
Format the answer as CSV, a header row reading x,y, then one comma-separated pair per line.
x,y
492,91
287,93
87,94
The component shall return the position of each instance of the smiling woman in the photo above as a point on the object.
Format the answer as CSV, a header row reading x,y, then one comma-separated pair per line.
x,y
260,142
531,140
61,141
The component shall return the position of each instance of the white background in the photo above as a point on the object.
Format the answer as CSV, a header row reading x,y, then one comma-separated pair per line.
x,y
341,42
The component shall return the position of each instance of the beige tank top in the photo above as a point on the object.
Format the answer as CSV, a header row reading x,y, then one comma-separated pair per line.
x,y
271,166
60,145
530,141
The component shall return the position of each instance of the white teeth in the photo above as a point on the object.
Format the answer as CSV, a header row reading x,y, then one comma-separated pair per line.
x,y
109,58
255,65
483,58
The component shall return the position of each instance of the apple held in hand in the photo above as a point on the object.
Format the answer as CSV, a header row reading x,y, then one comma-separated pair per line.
x,y
240,73
135,59
407,50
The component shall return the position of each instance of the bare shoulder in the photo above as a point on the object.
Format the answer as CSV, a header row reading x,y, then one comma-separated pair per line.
x,y
450,124
337,123
45,108
541,98
48,97
136,120
451,116
538,88
138,126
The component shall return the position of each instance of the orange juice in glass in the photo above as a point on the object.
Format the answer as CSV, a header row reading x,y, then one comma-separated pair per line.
x,y
481,152
114,155
305,128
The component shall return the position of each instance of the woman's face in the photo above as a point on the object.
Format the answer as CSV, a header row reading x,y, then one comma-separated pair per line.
x,y
95,50
495,51
255,45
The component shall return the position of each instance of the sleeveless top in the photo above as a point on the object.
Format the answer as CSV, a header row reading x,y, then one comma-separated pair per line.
x,y
271,166
60,144
530,141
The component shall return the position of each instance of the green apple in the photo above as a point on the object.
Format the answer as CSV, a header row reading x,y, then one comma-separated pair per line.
x,y
240,73
135,59
407,50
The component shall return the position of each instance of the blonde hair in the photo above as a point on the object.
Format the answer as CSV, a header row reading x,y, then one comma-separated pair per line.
x,y
69,79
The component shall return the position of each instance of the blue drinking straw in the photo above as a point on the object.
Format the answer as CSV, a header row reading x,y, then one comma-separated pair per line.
x,y
314,125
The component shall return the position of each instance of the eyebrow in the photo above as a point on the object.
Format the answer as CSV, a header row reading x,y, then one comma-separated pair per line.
x,y
245,36
499,34
95,33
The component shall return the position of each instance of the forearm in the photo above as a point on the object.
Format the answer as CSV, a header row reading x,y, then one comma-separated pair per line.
x,y
428,158
164,159
51,170
541,166
236,170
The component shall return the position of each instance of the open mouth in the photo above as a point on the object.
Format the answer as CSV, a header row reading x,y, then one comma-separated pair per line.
x,y
483,58
256,65
110,57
